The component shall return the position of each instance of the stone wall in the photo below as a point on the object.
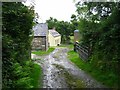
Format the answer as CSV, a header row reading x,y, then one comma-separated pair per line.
x,y
39,43
46,43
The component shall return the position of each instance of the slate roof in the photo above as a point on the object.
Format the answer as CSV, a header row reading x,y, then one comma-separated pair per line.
x,y
40,29
54,33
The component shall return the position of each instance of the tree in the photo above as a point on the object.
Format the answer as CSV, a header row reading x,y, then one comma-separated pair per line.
x,y
74,23
100,27
64,28
98,24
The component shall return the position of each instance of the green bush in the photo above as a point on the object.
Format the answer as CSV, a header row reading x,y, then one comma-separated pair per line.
x,y
17,22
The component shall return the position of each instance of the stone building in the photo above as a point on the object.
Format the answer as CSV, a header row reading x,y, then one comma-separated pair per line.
x,y
76,36
40,40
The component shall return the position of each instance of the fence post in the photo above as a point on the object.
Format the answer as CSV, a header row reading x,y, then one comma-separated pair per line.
x,y
74,47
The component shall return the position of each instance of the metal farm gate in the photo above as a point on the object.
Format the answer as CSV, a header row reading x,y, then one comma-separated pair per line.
x,y
83,51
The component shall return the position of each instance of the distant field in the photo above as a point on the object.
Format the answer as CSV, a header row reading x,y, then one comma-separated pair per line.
x,y
70,46
72,39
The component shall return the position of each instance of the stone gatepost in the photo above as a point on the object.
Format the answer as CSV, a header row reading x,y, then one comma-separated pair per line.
x,y
76,36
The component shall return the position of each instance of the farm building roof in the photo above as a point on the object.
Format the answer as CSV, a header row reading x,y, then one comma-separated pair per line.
x,y
40,29
54,33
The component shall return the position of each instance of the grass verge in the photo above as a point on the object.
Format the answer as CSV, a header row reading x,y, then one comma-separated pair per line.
x,y
36,76
107,78
70,46
44,52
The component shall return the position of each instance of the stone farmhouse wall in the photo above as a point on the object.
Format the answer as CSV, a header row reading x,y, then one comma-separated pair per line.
x,y
39,43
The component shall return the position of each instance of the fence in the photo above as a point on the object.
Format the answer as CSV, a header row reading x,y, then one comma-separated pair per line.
x,y
83,51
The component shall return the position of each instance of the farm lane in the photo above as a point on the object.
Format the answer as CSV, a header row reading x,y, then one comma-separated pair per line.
x,y
59,72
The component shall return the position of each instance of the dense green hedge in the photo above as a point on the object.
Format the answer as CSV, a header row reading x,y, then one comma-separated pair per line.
x,y
17,22
101,33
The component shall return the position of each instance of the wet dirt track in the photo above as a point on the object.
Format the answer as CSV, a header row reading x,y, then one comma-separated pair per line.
x,y
59,72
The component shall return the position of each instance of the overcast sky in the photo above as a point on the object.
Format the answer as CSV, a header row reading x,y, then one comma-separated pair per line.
x,y
59,9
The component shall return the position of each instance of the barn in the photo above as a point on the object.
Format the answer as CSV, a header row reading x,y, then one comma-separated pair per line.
x,y
40,40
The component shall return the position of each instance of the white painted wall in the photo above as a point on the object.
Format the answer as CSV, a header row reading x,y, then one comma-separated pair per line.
x,y
54,41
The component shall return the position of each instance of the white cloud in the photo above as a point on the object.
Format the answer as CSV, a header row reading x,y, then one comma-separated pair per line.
x,y
59,9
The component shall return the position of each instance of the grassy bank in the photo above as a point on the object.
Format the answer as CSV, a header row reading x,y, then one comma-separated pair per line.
x,y
107,78
70,46
43,52
36,74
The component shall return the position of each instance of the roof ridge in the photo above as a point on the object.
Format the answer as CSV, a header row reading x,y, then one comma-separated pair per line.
x,y
40,29
54,33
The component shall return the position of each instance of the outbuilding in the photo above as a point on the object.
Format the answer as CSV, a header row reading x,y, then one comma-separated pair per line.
x,y
54,38
40,40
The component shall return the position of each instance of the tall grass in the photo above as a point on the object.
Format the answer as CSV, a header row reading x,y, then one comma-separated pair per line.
x,y
36,76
